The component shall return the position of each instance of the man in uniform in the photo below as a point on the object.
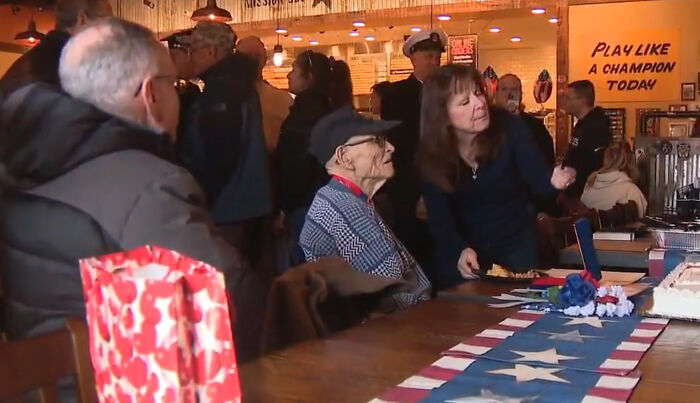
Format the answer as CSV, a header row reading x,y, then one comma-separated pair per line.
x,y
403,102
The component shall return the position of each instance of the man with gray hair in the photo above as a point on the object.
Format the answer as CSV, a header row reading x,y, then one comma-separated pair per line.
x,y
92,169
40,64
221,140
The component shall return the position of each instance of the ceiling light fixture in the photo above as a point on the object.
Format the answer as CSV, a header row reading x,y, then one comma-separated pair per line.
x,y
354,33
444,17
415,29
211,12
359,24
278,56
31,36
495,30
282,31
538,10
554,20
313,42
369,38
516,39
296,38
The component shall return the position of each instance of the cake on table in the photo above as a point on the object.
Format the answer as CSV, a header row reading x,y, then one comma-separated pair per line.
x,y
678,295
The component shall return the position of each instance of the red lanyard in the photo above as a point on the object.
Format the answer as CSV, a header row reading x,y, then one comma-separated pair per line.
x,y
353,188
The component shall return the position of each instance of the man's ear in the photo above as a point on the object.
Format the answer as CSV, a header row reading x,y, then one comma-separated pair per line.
x,y
149,98
343,158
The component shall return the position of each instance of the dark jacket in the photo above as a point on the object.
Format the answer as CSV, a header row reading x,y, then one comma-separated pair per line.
x,y
545,144
590,139
299,174
221,141
540,135
402,102
78,182
40,64
319,298
488,213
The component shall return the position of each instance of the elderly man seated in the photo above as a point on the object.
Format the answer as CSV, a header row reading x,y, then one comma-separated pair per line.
x,y
342,220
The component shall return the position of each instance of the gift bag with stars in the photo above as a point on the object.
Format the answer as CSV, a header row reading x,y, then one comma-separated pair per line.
x,y
160,328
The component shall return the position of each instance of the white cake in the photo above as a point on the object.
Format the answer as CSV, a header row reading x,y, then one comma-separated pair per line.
x,y
678,295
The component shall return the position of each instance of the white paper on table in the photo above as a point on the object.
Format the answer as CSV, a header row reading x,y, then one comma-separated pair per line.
x,y
609,277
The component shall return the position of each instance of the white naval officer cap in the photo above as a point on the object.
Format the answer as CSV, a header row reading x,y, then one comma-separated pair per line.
x,y
434,39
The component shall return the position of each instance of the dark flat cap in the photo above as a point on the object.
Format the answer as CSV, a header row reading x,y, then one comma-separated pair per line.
x,y
336,128
179,39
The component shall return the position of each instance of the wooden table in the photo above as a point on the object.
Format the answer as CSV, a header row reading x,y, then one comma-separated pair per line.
x,y
628,254
361,363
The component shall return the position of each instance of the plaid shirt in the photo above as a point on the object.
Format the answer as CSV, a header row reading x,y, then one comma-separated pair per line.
x,y
342,223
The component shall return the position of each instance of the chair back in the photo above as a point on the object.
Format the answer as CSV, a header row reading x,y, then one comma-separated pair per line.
x,y
37,363
619,216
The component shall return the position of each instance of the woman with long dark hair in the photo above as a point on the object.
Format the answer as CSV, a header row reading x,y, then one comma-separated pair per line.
x,y
321,85
476,163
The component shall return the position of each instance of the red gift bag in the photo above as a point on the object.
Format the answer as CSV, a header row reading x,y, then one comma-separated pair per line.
x,y
160,329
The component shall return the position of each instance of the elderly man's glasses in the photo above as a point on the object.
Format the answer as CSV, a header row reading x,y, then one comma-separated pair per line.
x,y
159,77
380,140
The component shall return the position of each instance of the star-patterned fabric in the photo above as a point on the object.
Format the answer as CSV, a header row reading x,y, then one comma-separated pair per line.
x,y
537,357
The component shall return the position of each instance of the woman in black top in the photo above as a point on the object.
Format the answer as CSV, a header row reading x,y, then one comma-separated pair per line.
x,y
476,162
321,85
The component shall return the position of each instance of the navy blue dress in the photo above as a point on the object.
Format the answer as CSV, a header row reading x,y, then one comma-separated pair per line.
x,y
490,213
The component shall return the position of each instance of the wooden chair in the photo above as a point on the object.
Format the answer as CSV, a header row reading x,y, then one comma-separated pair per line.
x,y
619,216
37,363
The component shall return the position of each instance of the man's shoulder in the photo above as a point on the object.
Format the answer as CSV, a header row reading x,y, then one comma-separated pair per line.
x,y
406,85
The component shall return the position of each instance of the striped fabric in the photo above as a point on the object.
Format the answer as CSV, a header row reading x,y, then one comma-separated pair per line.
x,y
340,223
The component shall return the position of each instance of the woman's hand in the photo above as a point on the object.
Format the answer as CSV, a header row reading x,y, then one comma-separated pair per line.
x,y
562,178
468,263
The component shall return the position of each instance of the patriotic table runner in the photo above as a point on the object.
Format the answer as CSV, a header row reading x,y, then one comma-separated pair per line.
x,y
537,357
606,345
461,380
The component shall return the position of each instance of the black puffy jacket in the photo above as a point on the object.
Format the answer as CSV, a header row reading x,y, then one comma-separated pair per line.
x,y
299,174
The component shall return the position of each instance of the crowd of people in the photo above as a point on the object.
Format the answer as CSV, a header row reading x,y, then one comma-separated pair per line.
x,y
110,141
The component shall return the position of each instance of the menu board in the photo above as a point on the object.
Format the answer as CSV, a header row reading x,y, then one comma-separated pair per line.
x,y
463,50
277,76
652,128
363,72
617,122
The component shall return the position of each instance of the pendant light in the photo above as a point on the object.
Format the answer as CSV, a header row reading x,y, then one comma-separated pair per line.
x,y
31,36
211,12
278,53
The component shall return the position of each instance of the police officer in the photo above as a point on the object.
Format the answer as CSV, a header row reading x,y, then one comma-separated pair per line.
x,y
402,102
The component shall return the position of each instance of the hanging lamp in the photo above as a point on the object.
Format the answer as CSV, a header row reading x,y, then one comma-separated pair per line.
x,y
211,12
278,52
31,36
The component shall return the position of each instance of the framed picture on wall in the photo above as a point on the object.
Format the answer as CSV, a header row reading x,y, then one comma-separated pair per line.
x,y
678,108
652,128
688,92
678,129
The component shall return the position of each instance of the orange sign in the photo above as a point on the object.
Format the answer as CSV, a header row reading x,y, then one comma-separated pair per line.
x,y
629,65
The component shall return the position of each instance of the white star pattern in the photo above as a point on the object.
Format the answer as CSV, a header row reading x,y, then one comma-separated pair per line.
x,y
593,321
486,396
547,356
573,335
525,373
